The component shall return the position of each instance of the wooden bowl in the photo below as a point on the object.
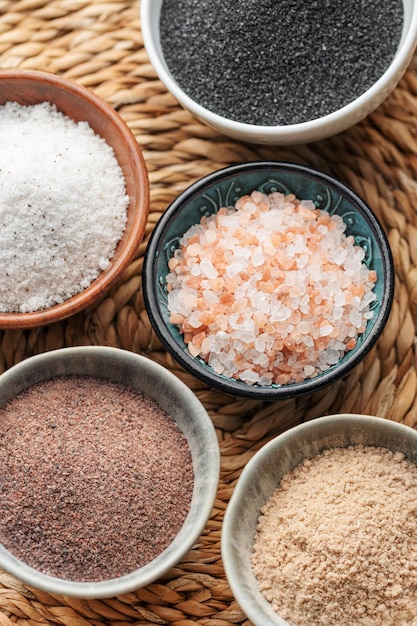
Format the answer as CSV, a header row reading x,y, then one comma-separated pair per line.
x,y
28,87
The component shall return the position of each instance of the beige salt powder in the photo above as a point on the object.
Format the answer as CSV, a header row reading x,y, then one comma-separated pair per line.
x,y
336,544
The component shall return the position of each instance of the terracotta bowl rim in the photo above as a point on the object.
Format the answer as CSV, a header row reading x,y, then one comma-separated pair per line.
x,y
131,239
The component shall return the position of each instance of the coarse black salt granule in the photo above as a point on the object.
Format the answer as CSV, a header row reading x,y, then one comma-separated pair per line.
x,y
278,62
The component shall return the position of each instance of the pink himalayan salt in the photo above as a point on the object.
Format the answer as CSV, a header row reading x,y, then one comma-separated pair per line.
x,y
270,290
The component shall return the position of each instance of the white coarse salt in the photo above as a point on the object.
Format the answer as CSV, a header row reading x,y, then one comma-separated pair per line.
x,y
280,295
63,206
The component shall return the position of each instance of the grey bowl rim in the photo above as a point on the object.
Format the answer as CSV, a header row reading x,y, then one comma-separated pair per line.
x,y
133,580
251,467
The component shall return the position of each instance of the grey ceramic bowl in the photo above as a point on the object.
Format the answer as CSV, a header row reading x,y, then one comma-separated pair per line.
x,y
223,188
308,131
263,474
172,395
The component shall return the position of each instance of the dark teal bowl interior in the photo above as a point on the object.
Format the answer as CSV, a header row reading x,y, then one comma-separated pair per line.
x,y
223,188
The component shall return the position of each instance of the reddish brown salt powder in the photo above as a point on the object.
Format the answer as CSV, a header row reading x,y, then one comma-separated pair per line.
x,y
96,478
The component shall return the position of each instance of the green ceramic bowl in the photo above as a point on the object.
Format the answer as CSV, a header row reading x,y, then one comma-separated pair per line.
x,y
223,188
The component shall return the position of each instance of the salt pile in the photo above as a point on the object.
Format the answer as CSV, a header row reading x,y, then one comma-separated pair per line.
x,y
63,206
270,290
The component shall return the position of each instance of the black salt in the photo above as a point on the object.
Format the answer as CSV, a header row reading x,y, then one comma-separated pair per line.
x,y
278,62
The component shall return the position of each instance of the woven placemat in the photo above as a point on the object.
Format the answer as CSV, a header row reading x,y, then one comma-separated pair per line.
x,y
98,43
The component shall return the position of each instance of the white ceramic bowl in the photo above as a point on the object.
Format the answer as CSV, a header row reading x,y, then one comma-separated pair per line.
x,y
171,394
313,130
263,474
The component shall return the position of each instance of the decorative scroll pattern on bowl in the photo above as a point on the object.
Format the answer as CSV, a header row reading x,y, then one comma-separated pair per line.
x,y
220,197
224,188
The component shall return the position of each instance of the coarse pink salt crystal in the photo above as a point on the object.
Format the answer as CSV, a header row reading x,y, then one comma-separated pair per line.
x,y
270,291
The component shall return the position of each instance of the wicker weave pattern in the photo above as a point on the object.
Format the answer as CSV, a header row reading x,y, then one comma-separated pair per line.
x,y
98,43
